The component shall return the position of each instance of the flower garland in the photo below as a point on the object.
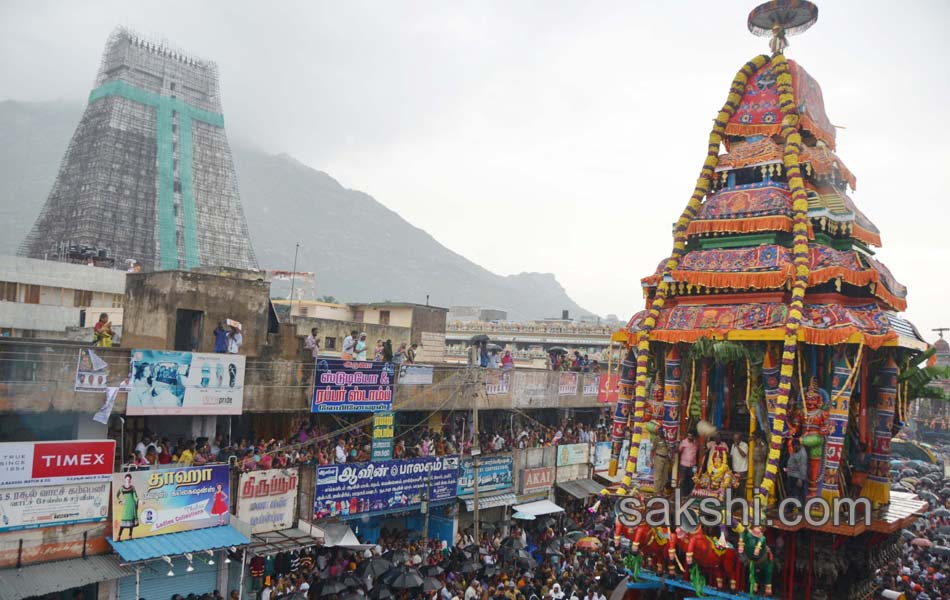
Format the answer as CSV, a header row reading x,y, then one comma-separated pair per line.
x,y
793,148
703,185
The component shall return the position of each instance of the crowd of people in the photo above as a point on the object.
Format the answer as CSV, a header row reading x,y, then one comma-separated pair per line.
x,y
922,570
355,347
313,443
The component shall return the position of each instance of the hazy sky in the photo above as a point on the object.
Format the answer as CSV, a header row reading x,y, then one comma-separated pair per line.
x,y
540,136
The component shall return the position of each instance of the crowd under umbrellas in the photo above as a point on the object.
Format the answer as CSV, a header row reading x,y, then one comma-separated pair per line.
x,y
921,571
560,558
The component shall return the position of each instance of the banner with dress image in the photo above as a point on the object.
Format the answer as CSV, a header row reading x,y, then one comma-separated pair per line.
x,y
185,383
146,503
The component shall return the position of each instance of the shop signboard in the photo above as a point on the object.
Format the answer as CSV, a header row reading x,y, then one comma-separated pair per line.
x,y
53,505
146,503
494,473
186,383
383,435
415,374
267,500
572,454
537,480
497,383
352,386
373,487
609,388
30,464
602,456
591,385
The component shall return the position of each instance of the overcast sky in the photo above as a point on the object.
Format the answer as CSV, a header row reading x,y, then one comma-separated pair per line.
x,y
540,136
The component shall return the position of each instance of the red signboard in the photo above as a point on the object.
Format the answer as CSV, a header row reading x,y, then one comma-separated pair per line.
x,y
609,387
50,463
537,480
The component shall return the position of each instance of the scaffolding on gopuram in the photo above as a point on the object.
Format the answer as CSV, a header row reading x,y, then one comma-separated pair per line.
x,y
770,322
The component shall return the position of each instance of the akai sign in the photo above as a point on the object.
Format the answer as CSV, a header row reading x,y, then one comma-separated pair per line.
x,y
48,463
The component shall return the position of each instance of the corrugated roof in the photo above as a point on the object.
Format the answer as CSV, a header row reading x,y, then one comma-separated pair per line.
x,y
47,578
581,488
904,327
176,544
484,502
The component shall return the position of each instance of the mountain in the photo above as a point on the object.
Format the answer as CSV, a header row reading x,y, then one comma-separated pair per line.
x,y
360,250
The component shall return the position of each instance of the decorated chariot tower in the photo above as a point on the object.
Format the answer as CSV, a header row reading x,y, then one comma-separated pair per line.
x,y
773,322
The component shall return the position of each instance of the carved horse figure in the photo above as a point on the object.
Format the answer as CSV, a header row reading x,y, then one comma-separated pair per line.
x,y
715,560
654,545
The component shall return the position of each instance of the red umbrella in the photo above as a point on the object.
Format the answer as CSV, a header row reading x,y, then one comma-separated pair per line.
x,y
922,542
588,543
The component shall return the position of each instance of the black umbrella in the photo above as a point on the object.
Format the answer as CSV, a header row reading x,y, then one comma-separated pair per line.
x,y
942,512
481,337
431,584
557,350
380,593
490,571
493,347
397,557
940,550
374,567
409,579
513,542
332,587
351,581
552,549
546,522
390,575
473,551
527,563
468,568
433,571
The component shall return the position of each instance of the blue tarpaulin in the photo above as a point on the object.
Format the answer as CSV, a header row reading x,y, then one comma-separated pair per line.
x,y
176,544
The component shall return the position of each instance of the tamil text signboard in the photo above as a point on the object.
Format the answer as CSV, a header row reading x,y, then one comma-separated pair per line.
x,y
383,424
28,464
186,383
267,500
352,386
591,385
146,503
567,384
494,473
53,505
365,488
497,382
609,388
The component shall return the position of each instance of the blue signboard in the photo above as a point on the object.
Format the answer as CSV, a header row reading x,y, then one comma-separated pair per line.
x,y
352,386
358,488
494,473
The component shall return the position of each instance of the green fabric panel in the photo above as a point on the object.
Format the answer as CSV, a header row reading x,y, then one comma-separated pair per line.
x,y
166,184
164,136
187,193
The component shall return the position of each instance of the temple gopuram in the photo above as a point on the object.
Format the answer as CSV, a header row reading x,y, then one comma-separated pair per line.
x,y
770,323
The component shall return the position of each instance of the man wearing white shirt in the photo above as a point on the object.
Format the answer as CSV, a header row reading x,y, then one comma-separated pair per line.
x,y
740,459
340,451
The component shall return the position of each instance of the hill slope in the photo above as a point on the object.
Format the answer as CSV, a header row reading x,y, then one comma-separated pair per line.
x,y
360,250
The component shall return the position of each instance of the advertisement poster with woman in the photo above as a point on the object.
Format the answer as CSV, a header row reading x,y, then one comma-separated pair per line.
x,y
146,503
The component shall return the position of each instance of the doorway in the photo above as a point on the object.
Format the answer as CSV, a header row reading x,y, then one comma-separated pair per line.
x,y
188,329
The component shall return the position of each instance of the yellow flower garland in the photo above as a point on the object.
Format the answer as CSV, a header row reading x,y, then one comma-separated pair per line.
x,y
703,185
793,146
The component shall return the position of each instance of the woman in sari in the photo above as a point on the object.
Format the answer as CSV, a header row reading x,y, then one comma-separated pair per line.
x,y
103,331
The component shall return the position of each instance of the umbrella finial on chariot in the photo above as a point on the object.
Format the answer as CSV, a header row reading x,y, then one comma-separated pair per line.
x,y
781,18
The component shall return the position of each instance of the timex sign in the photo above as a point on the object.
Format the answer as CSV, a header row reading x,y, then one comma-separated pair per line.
x,y
42,463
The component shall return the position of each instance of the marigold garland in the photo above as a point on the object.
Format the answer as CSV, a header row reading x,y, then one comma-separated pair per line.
x,y
703,185
793,149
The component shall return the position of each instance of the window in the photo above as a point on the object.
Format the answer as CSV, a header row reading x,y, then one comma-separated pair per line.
x,y
384,317
8,291
358,316
117,300
82,298
32,294
329,343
